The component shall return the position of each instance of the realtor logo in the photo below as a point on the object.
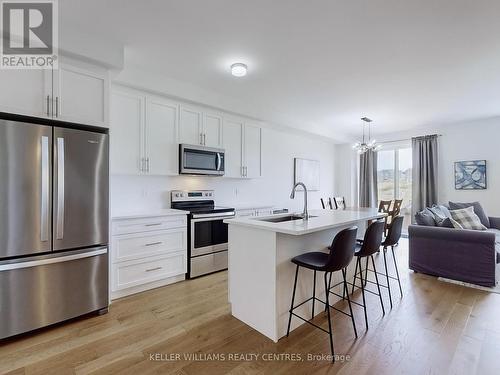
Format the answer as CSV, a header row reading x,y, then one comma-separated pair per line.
x,y
29,34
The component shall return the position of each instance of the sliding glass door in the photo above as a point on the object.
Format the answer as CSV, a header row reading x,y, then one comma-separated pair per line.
x,y
394,170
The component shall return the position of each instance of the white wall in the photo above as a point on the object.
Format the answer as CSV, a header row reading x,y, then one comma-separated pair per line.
x,y
475,140
137,193
471,140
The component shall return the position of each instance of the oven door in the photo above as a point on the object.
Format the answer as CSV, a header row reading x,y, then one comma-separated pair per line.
x,y
209,233
201,160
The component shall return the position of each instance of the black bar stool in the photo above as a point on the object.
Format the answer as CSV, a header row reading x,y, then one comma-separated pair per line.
x,y
392,240
339,257
370,245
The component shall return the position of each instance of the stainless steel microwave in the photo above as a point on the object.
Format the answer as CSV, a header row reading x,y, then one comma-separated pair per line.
x,y
201,160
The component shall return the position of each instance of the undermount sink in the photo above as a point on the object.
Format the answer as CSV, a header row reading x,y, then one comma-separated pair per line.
x,y
281,219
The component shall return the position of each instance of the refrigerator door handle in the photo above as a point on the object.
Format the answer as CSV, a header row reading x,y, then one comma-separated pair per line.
x,y
60,189
60,259
45,182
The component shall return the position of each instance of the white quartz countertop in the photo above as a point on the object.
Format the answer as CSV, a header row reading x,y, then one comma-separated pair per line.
x,y
324,219
149,213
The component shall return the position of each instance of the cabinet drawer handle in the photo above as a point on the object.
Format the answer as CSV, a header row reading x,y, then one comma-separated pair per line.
x,y
48,110
153,243
153,225
153,269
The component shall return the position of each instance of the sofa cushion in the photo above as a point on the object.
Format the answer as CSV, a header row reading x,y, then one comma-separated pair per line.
x,y
467,218
425,217
478,210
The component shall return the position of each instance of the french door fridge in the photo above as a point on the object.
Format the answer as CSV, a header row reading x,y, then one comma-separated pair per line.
x,y
53,224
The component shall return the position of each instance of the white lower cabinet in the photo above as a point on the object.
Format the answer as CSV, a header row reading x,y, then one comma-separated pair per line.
x,y
134,273
147,252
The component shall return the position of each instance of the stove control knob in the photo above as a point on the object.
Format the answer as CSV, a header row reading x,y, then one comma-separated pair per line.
x,y
210,194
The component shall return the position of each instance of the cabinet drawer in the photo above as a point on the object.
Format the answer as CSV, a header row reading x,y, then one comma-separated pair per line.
x,y
138,272
140,245
154,223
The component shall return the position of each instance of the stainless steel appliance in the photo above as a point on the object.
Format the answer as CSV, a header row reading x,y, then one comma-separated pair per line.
x,y
53,222
201,160
207,233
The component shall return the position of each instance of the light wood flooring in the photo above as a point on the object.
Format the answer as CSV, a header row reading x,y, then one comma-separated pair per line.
x,y
436,328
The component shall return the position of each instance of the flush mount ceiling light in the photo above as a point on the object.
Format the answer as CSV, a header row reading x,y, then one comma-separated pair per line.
x,y
363,146
239,70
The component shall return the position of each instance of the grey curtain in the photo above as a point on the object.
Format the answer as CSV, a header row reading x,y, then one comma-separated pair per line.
x,y
425,173
368,193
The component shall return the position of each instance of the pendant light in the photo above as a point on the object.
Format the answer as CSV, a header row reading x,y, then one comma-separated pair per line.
x,y
364,146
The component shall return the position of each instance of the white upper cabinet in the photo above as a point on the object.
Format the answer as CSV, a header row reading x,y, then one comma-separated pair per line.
x,y
191,128
126,132
161,136
199,127
80,95
68,93
143,133
252,151
26,92
212,130
243,145
233,137
146,131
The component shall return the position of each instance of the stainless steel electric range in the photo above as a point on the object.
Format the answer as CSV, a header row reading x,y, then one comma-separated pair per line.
x,y
207,233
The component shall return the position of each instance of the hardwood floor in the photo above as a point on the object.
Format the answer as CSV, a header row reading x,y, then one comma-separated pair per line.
x,y
436,328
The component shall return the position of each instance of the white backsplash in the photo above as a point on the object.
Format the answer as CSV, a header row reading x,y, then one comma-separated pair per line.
x,y
143,193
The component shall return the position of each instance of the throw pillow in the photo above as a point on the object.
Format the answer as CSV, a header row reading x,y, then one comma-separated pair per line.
x,y
445,210
467,218
440,214
448,223
478,210
425,217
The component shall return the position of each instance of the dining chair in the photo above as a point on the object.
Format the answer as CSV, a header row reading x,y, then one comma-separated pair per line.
x,y
339,203
396,208
394,212
323,203
385,207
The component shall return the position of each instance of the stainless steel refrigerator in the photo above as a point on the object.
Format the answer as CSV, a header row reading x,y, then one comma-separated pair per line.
x,y
53,224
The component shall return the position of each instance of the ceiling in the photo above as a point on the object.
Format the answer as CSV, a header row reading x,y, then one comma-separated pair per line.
x,y
320,65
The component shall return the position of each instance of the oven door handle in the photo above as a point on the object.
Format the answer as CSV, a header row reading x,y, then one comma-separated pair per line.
x,y
214,216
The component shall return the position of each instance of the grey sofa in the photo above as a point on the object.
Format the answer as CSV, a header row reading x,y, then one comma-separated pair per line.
x,y
459,254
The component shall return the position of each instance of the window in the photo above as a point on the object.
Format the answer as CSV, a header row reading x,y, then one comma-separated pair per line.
x,y
394,170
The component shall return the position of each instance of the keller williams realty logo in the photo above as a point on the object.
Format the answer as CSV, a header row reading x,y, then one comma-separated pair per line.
x,y
29,34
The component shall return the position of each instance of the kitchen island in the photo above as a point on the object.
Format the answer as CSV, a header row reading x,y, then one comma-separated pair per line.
x,y
260,271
